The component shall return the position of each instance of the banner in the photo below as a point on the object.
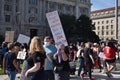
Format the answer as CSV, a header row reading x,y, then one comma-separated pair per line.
x,y
56,28
9,36
23,39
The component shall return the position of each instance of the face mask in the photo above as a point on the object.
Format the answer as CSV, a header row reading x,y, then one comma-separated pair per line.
x,y
47,43
70,46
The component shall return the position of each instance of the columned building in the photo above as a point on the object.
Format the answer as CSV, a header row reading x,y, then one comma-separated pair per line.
x,y
28,17
105,26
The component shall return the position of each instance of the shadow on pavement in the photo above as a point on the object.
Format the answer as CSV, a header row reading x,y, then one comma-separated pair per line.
x,y
97,77
103,77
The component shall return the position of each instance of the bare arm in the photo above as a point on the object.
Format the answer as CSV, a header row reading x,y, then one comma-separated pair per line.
x,y
16,66
91,57
49,57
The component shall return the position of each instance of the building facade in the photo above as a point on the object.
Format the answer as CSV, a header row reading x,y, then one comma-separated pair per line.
x,y
105,26
28,17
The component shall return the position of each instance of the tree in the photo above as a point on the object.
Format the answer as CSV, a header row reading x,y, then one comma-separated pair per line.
x,y
78,29
68,23
85,29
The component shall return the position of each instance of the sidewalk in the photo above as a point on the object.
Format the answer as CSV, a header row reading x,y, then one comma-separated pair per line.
x,y
96,74
5,77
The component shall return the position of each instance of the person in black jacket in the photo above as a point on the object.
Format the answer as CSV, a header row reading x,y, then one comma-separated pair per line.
x,y
36,60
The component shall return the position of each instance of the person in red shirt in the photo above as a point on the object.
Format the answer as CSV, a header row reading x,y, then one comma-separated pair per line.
x,y
110,53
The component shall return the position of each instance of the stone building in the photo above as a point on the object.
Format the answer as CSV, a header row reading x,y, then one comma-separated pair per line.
x,y
28,17
104,21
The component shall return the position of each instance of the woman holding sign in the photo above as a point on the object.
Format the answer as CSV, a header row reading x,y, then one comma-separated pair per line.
x,y
61,64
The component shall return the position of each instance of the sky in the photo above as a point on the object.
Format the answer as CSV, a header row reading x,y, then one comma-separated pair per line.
x,y
102,4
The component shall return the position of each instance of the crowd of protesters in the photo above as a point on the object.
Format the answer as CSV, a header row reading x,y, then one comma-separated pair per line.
x,y
47,62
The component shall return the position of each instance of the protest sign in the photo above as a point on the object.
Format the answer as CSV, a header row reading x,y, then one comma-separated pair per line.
x,y
23,39
9,36
56,28
21,55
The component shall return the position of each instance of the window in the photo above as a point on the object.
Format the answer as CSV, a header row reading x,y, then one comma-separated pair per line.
x,y
102,22
98,33
102,27
60,6
98,27
8,0
33,2
98,22
107,21
8,29
112,21
16,8
102,32
107,33
107,38
33,10
7,7
7,18
67,7
107,27
112,32
51,5
111,26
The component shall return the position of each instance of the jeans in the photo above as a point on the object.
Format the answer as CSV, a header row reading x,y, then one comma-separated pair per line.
x,y
11,74
81,61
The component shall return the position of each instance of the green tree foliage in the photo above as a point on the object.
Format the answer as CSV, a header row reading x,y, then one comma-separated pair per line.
x,y
68,23
80,29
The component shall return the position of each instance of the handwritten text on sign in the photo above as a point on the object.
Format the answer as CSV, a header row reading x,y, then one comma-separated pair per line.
x,y
56,28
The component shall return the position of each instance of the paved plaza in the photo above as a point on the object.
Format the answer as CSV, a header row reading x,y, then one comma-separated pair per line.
x,y
96,74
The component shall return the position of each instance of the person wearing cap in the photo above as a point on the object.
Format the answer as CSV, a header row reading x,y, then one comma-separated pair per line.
x,y
50,50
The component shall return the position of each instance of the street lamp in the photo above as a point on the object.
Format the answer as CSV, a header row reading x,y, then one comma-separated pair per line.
x,y
116,19
18,21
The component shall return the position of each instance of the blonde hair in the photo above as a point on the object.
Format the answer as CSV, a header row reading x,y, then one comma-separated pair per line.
x,y
36,45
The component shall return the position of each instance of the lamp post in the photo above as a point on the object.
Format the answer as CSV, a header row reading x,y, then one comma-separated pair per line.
x,y
116,19
19,21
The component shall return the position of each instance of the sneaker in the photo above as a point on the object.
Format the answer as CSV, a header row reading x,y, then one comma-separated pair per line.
x,y
91,78
108,74
82,76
